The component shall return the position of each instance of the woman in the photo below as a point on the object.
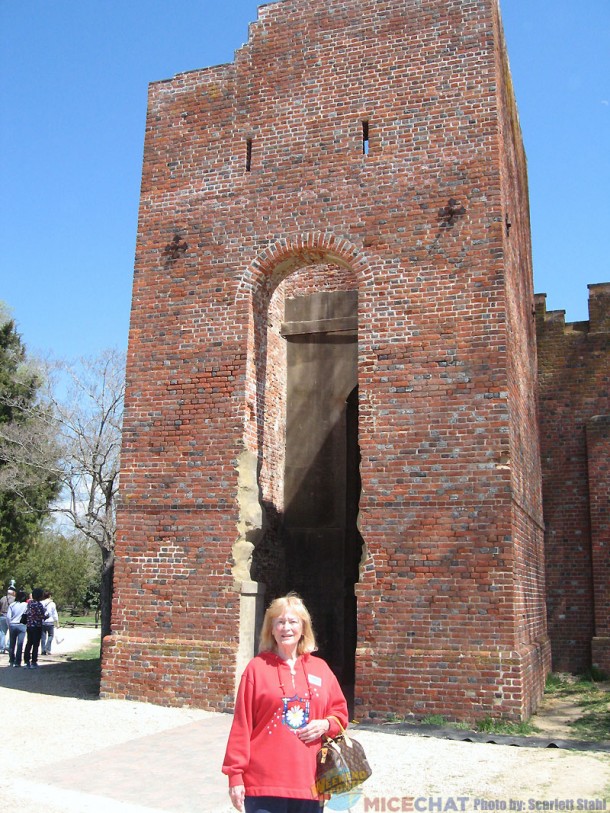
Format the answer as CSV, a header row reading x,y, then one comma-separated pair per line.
x,y
286,702
5,603
36,613
51,620
16,629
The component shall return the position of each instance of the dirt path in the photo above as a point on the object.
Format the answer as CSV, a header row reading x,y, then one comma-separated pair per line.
x,y
115,739
554,718
560,711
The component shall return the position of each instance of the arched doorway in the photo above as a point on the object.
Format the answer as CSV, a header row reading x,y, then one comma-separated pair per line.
x,y
302,428
318,531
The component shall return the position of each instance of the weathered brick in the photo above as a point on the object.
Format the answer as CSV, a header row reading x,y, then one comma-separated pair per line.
x,y
574,384
257,186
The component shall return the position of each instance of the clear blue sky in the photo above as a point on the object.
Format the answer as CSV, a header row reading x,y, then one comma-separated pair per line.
x,y
73,92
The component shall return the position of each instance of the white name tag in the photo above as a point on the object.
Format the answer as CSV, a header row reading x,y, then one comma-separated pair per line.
x,y
317,681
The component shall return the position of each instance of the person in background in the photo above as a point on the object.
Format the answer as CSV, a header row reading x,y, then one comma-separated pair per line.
x,y
5,603
17,628
287,700
35,614
50,622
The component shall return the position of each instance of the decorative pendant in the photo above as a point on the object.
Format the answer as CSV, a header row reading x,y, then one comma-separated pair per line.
x,y
295,713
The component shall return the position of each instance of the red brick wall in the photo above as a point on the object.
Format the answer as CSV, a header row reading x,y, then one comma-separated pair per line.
x,y
598,454
574,379
522,455
451,617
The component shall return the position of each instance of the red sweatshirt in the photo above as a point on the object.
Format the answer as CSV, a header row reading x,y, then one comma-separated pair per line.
x,y
263,751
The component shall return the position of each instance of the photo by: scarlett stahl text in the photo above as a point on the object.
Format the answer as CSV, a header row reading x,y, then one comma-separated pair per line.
x,y
466,804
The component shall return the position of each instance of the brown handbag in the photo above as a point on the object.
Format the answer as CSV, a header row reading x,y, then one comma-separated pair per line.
x,y
341,764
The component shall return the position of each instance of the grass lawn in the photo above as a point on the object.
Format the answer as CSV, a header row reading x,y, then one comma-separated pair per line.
x,y
67,620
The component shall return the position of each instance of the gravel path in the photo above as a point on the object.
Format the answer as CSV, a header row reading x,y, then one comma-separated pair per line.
x,y
60,718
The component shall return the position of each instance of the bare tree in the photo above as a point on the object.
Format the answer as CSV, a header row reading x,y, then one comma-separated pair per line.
x,y
86,399
69,440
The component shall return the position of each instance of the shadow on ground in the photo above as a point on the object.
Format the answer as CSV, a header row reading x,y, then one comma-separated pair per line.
x,y
69,678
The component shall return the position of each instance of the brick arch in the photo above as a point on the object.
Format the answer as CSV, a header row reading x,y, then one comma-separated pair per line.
x,y
287,254
293,266
264,402
274,265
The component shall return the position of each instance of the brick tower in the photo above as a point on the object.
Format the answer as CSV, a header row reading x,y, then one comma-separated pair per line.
x,y
332,367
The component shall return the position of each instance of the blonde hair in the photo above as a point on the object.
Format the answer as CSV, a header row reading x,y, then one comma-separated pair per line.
x,y
278,606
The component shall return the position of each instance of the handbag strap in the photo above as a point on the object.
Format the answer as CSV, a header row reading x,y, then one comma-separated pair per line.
x,y
332,717
343,731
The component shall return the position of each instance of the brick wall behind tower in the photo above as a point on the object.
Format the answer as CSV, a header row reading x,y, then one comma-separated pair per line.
x,y
574,383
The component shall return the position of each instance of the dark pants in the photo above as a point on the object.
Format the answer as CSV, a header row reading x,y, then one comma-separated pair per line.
x,y
276,804
33,636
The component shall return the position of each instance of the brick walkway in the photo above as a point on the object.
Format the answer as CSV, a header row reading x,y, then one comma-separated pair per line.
x,y
176,770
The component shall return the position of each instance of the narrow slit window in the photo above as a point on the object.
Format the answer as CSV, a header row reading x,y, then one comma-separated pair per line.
x,y
248,154
365,138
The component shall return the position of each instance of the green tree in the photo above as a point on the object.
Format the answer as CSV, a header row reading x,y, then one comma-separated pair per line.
x,y
65,565
25,489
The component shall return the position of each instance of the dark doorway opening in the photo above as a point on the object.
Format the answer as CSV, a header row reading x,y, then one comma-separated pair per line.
x,y
322,471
